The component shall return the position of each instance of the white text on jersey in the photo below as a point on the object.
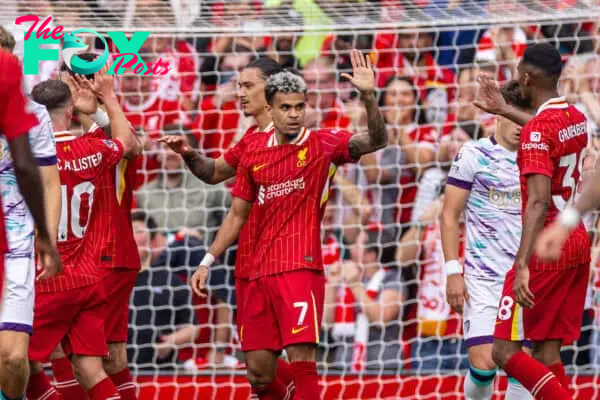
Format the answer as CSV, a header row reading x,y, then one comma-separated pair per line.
x,y
80,164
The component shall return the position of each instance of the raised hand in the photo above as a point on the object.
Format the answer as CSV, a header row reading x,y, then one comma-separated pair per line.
x,y
363,76
489,98
179,144
84,100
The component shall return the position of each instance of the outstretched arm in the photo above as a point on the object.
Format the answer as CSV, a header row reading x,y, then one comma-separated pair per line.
x,y
207,169
363,78
490,100
230,229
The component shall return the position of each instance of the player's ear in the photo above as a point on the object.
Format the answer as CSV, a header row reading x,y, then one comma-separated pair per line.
x,y
268,108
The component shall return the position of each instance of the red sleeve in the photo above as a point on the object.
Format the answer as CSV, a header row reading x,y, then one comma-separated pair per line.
x,y
233,155
112,152
341,153
15,118
535,150
244,186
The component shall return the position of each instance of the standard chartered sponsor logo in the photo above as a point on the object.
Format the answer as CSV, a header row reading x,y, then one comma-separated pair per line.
x,y
280,189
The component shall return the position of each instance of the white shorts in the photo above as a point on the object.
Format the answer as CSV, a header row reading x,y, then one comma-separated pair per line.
x,y
18,298
482,309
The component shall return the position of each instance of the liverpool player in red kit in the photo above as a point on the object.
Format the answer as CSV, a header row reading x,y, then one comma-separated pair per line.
x,y
285,177
122,266
543,301
70,308
16,120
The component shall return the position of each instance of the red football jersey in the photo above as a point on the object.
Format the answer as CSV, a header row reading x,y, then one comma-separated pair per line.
x,y
15,118
182,78
288,185
124,177
84,233
553,144
232,156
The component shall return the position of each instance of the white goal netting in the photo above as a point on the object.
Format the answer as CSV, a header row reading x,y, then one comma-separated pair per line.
x,y
382,213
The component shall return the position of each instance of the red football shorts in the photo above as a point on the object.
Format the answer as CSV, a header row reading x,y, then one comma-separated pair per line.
x,y
118,284
74,317
559,298
278,310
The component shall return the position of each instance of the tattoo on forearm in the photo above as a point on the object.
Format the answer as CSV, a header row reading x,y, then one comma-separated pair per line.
x,y
202,167
376,138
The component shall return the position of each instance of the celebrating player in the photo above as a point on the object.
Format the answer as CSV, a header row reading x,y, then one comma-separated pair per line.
x,y
285,177
119,275
484,183
16,121
70,308
543,301
251,93
552,240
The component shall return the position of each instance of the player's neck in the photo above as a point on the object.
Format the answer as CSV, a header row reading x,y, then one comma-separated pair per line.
x,y
283,139
263,120
59,125
542,96
503,143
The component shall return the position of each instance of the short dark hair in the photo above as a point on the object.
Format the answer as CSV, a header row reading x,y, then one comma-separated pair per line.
x,y
7,40
283,82
512,95
141,216
84,56
545,57
267,66
53,94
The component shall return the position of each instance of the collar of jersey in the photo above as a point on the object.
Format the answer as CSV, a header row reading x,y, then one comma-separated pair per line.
x,y
553,103
63,136
298,141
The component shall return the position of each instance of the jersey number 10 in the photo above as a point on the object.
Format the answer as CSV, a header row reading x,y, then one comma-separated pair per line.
x,y
70,213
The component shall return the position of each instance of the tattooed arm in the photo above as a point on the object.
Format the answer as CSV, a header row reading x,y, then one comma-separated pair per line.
x,y
363,78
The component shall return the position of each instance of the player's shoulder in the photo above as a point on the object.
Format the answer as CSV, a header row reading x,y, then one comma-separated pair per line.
x,y
8,61
329,135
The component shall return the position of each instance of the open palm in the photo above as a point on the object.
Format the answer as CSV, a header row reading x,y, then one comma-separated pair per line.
x,y
363,76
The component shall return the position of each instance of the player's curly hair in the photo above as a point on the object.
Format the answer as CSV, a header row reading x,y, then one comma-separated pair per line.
x,y
53,93
284,82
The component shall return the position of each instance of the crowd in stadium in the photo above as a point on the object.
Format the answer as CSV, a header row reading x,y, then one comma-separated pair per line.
x,y
382,213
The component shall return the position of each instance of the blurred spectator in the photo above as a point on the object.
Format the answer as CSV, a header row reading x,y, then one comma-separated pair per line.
x,y
176,199
403,112
219,116
502,47
281,49
580,83
363,302
181,83
410,53
438,344
326,110
243,14
161,317
144,107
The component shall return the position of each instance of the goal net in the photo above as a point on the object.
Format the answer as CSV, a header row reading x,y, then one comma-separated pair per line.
x,y
387,331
